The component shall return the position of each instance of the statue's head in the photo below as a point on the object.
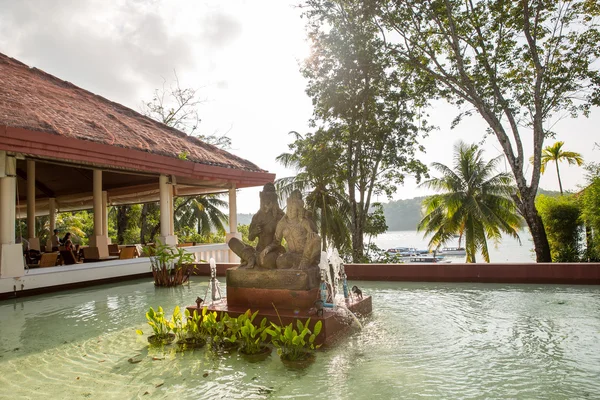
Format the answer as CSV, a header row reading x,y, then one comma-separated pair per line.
x,y
268,198
295,205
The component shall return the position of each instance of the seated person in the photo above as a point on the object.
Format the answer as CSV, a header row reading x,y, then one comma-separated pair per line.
x,y
55,240
67,242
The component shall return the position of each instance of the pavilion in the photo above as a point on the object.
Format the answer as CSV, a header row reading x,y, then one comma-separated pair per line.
x,y
63,148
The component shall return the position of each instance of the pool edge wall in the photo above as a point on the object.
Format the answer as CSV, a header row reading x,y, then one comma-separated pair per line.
x,y
526,273
553,273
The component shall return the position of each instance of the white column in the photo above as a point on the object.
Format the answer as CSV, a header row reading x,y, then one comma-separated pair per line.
x,y
98,240
30,198
166,211
97,202
8,195
34,243
11,253
233,233
105,215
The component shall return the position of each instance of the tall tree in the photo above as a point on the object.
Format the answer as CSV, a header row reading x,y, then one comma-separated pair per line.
x,y
556,154
476,202
362,105
519,64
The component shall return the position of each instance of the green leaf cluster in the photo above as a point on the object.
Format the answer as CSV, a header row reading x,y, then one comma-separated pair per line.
x,y
294,343
562,220
170,266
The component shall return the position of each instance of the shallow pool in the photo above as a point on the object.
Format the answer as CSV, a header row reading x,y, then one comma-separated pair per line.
x,y
424,340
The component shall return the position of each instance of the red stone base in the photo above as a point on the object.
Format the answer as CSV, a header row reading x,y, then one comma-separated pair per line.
x,y
334,324
265,298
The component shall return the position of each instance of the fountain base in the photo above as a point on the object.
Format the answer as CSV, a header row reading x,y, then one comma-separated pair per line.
x,y
335,324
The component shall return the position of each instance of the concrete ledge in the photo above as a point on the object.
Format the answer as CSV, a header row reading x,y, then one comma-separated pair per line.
x,y
556,273
51,279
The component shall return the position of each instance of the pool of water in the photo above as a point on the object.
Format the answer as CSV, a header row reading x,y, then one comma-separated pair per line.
x,y
424,340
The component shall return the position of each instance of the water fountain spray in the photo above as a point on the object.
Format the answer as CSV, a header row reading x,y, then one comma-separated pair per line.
x,y
213,286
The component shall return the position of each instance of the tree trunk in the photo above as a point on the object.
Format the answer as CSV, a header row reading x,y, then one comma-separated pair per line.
x,y
144,225
559,182
154,231
122,222
536,227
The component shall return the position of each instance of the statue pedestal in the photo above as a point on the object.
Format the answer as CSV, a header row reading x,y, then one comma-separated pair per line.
x,y
286,289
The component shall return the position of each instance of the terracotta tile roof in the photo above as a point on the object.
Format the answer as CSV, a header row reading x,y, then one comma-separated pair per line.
x,y
34,100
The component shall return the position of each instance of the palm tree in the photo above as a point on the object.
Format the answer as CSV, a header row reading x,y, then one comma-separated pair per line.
x,y
323,198
556,154
476,203
203,212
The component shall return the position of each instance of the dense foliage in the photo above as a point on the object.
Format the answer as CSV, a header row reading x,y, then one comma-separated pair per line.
x,y
365,113
520,65
562,220
590,213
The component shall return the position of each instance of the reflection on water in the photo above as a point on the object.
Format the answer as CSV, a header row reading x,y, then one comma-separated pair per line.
x,y
507,250
424,340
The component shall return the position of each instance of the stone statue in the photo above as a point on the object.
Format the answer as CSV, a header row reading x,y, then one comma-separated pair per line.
x,y
263,226
300,233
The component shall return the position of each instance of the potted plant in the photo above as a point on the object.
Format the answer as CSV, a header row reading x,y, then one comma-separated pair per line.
x,y
253,338
295,346
195,334
170,267
163,329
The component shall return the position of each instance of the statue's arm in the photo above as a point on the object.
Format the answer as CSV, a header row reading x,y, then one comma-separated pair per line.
x,y
254,228
276,238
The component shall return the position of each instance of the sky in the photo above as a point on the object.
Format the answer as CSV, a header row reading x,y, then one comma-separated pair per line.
x,y
244,59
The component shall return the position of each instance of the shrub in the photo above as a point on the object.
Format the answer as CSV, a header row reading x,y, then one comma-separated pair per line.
x,y
562,222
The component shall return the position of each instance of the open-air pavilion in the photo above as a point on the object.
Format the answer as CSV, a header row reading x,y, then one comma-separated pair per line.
x,y
63,148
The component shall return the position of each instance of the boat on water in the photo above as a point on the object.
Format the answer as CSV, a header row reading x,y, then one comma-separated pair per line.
x,y
406,251
425,258
453,251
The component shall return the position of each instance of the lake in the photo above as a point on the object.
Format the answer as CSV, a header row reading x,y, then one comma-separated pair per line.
x,y
507,250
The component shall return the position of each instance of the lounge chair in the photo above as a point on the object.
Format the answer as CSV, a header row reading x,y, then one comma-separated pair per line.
x,y
91,254
113,249
48,260
127,253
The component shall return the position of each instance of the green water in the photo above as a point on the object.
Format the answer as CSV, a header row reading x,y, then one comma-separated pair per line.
x,y
424,340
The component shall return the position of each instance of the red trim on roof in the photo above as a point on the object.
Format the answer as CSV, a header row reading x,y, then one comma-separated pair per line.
x,y
50,146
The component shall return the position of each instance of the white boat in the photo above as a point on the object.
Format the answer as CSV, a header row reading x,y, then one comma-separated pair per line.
x,y
424,258
453,251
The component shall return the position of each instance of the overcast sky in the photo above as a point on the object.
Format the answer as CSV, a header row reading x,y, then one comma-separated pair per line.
x,y
243,56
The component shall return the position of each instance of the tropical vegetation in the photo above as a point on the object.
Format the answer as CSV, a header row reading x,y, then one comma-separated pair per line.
x,y
293,342
365,115
170,266
520,65
476,202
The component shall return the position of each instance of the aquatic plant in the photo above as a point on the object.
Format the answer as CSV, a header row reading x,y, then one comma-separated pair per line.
x,y
170,266
294,344
252,337
162,328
